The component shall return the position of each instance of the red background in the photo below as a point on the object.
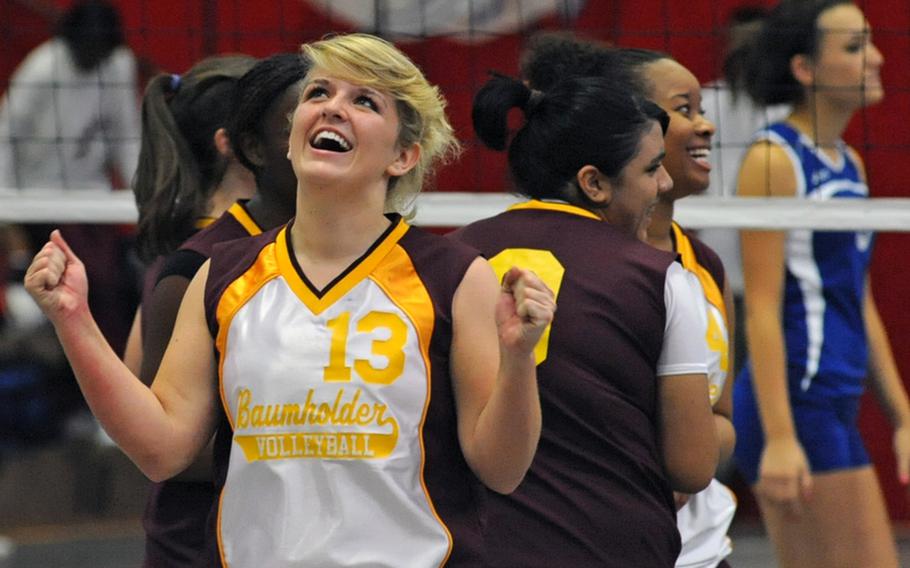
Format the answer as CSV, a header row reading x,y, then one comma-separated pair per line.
x,y
172,34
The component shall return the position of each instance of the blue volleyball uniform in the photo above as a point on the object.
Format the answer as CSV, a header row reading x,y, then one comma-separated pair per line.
x,y
822,313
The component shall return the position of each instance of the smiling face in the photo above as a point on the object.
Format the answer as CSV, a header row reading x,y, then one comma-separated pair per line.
x,y
344,133
635,190
688,138
847,66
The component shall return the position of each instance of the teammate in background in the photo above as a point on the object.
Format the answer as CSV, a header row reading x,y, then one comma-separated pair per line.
x,y
71,113
814,332
331,335
69,120
187,176
704,518
624,396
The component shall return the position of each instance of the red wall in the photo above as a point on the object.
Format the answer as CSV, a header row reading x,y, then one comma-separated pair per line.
x,y
172,34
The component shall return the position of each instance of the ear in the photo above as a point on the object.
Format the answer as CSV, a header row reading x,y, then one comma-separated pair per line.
x,y
223,142
595,186
252,150
405,161
803,69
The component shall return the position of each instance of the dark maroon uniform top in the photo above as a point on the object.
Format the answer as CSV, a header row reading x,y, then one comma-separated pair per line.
x,y
705,256
176,511
596,493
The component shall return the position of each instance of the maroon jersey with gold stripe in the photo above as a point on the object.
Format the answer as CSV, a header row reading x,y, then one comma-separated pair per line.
x,y
339,443
235,223
596,493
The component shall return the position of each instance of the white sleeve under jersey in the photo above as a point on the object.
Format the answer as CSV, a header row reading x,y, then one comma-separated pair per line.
x,y
684,351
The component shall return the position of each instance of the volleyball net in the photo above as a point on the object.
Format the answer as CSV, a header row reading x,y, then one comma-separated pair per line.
x,y
456,42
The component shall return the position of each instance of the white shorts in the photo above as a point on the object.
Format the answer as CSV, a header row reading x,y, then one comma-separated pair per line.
x,y
703,522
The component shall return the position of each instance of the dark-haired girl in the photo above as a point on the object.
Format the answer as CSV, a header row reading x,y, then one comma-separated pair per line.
x,y
703,518
624,396
814,334
188,175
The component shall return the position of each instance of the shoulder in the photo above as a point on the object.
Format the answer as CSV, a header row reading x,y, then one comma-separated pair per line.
x,y
770,168
473,232
230,261
230,258
181,262
426,244
857,161
225,228
706,257
121,60
442,263
40,61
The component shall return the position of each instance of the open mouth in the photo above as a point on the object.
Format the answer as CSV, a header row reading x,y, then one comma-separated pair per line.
x,y
701,155
330,142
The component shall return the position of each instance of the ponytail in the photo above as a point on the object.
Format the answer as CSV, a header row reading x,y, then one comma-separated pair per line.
x,y
179,166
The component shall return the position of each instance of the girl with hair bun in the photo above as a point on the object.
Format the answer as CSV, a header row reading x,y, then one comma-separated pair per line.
x,y
624,396
704,517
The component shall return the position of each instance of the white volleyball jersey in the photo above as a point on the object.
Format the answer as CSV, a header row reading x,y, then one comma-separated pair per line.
x,y
327,395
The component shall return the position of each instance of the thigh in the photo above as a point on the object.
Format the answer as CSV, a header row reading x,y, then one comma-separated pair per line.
x,y
844,524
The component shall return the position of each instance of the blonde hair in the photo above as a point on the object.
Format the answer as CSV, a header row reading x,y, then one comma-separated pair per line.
x,y
374,62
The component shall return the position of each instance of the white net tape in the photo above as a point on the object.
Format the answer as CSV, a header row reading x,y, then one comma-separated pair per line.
x,y
454,209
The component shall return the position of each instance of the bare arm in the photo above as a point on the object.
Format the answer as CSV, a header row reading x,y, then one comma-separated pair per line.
x,y
883,372
160,428
784,476
887,384
132,353
688,440
494,374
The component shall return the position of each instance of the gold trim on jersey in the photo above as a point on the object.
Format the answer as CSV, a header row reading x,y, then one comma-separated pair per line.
x,y
338,289
389,266
239,212
548,206
261,272
203,222
712,290
400,282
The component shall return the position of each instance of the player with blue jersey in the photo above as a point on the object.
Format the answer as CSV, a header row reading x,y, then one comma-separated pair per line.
x,y
814,333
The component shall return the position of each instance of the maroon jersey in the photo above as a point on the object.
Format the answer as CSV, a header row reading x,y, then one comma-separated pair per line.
x,y
176,511
235,223
704,255
596,493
